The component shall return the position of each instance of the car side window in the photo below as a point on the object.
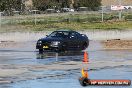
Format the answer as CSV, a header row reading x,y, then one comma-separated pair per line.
x,y
59,34
73,35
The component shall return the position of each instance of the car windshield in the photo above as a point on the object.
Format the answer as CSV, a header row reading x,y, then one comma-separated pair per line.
x,y
62,34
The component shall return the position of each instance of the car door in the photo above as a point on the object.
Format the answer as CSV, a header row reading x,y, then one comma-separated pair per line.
x,y
73,40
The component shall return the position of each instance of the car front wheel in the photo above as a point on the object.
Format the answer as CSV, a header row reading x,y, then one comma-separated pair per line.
x,y
40,50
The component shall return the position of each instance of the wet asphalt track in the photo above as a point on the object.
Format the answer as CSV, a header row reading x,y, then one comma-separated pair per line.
x,y
27,54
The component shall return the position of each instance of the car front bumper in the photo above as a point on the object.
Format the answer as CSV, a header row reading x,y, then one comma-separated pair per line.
x,y
48,47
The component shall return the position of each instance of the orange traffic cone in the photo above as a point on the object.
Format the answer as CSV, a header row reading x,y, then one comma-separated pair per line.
x,y
85,59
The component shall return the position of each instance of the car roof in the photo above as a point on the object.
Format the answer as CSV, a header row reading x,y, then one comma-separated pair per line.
x,y
65,30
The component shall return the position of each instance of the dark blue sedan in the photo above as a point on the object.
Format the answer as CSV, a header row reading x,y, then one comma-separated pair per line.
x,y
63,40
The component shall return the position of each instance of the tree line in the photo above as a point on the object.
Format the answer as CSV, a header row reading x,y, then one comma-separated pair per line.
x,y
18,5
44,4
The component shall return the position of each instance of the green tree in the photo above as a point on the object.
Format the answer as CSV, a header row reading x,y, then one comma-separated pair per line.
x,y
45,4
10,5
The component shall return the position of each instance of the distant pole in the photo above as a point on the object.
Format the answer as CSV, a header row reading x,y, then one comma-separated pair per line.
x,y
120,11
102,13
0,19
35,17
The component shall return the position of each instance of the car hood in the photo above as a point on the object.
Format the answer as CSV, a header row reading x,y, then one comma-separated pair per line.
x,y
51,39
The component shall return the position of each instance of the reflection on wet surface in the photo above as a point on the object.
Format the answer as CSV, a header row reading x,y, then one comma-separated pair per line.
x,y
63,56
26,54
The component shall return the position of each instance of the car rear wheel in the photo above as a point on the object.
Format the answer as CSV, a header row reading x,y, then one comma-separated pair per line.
x,y
84,46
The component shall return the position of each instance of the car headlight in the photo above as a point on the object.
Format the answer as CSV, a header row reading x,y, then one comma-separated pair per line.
x,y
55,43
39,41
